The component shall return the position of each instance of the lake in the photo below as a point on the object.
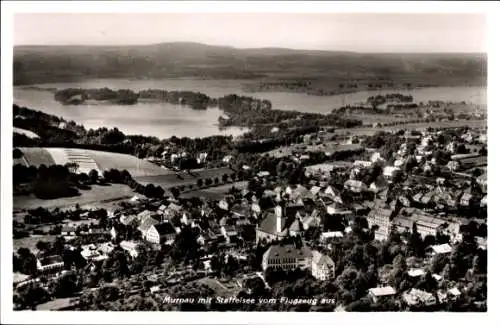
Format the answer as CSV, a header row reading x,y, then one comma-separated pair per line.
x,y
164,120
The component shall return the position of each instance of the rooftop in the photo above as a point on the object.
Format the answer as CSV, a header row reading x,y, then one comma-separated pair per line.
x,y
382,291
287,251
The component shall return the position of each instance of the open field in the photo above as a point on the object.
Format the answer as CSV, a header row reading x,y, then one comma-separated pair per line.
x,y
37,157
184,178
56,304
370,119
27,133
226,289
88,199
410,126
215,193
104,160
30,242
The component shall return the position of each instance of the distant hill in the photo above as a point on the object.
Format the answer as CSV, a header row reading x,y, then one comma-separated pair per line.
x,y
43,64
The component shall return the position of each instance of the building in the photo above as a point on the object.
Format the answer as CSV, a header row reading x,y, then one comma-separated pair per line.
x,y
130,247
419,297
146,223
325,236
275,225
90,253
263,174
380,217
354,186
482,181
443,249
426,225
68,231
161,233
50,263
415,273
390,171
380,293
286,257
322,266
291,257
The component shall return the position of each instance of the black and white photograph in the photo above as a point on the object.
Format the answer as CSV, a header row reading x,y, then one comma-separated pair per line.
x,y
258,161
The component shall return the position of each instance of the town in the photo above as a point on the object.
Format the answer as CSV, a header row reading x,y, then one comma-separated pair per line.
x,y
390,221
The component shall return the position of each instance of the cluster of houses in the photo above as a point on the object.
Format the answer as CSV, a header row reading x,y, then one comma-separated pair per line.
x,y
238,222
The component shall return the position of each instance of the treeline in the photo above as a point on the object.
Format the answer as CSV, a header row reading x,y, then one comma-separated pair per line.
x,y
195,100
253,118
285,137
124,177
45,182
330,87
393,97
75,96
57,181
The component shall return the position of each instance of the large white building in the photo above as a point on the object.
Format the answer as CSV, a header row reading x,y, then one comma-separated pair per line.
x,y
161,233
380,217
289,257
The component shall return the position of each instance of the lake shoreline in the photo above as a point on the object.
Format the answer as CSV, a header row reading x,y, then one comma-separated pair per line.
x,y
164,120
245,87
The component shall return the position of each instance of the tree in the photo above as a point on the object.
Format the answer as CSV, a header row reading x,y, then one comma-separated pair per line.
x,y
199,182
415,243
225,178
64,286
30,295
17,154
175,192
93,175
42,246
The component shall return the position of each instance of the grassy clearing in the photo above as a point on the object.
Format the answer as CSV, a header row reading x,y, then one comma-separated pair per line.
x,y
377,118
56,304
27,133
184,178
215,193
88,199
410,126
37,156
221,289
30,242
135,166
104,160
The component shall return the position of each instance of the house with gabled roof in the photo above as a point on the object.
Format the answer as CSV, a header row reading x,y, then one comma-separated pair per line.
x,y
49,263
146,223
355,186
416,297
322,266
161,233
379,293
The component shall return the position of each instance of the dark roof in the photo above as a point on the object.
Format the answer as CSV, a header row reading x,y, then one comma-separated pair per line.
x,y
381,212
48,260
147,222
268,224
287,251
475,161
68,229
164,228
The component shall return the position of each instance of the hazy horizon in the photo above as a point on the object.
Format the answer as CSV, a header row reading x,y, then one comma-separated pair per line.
x,y
362,33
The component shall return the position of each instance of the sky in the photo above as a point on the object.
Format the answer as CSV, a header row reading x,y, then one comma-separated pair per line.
x,y
336,32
